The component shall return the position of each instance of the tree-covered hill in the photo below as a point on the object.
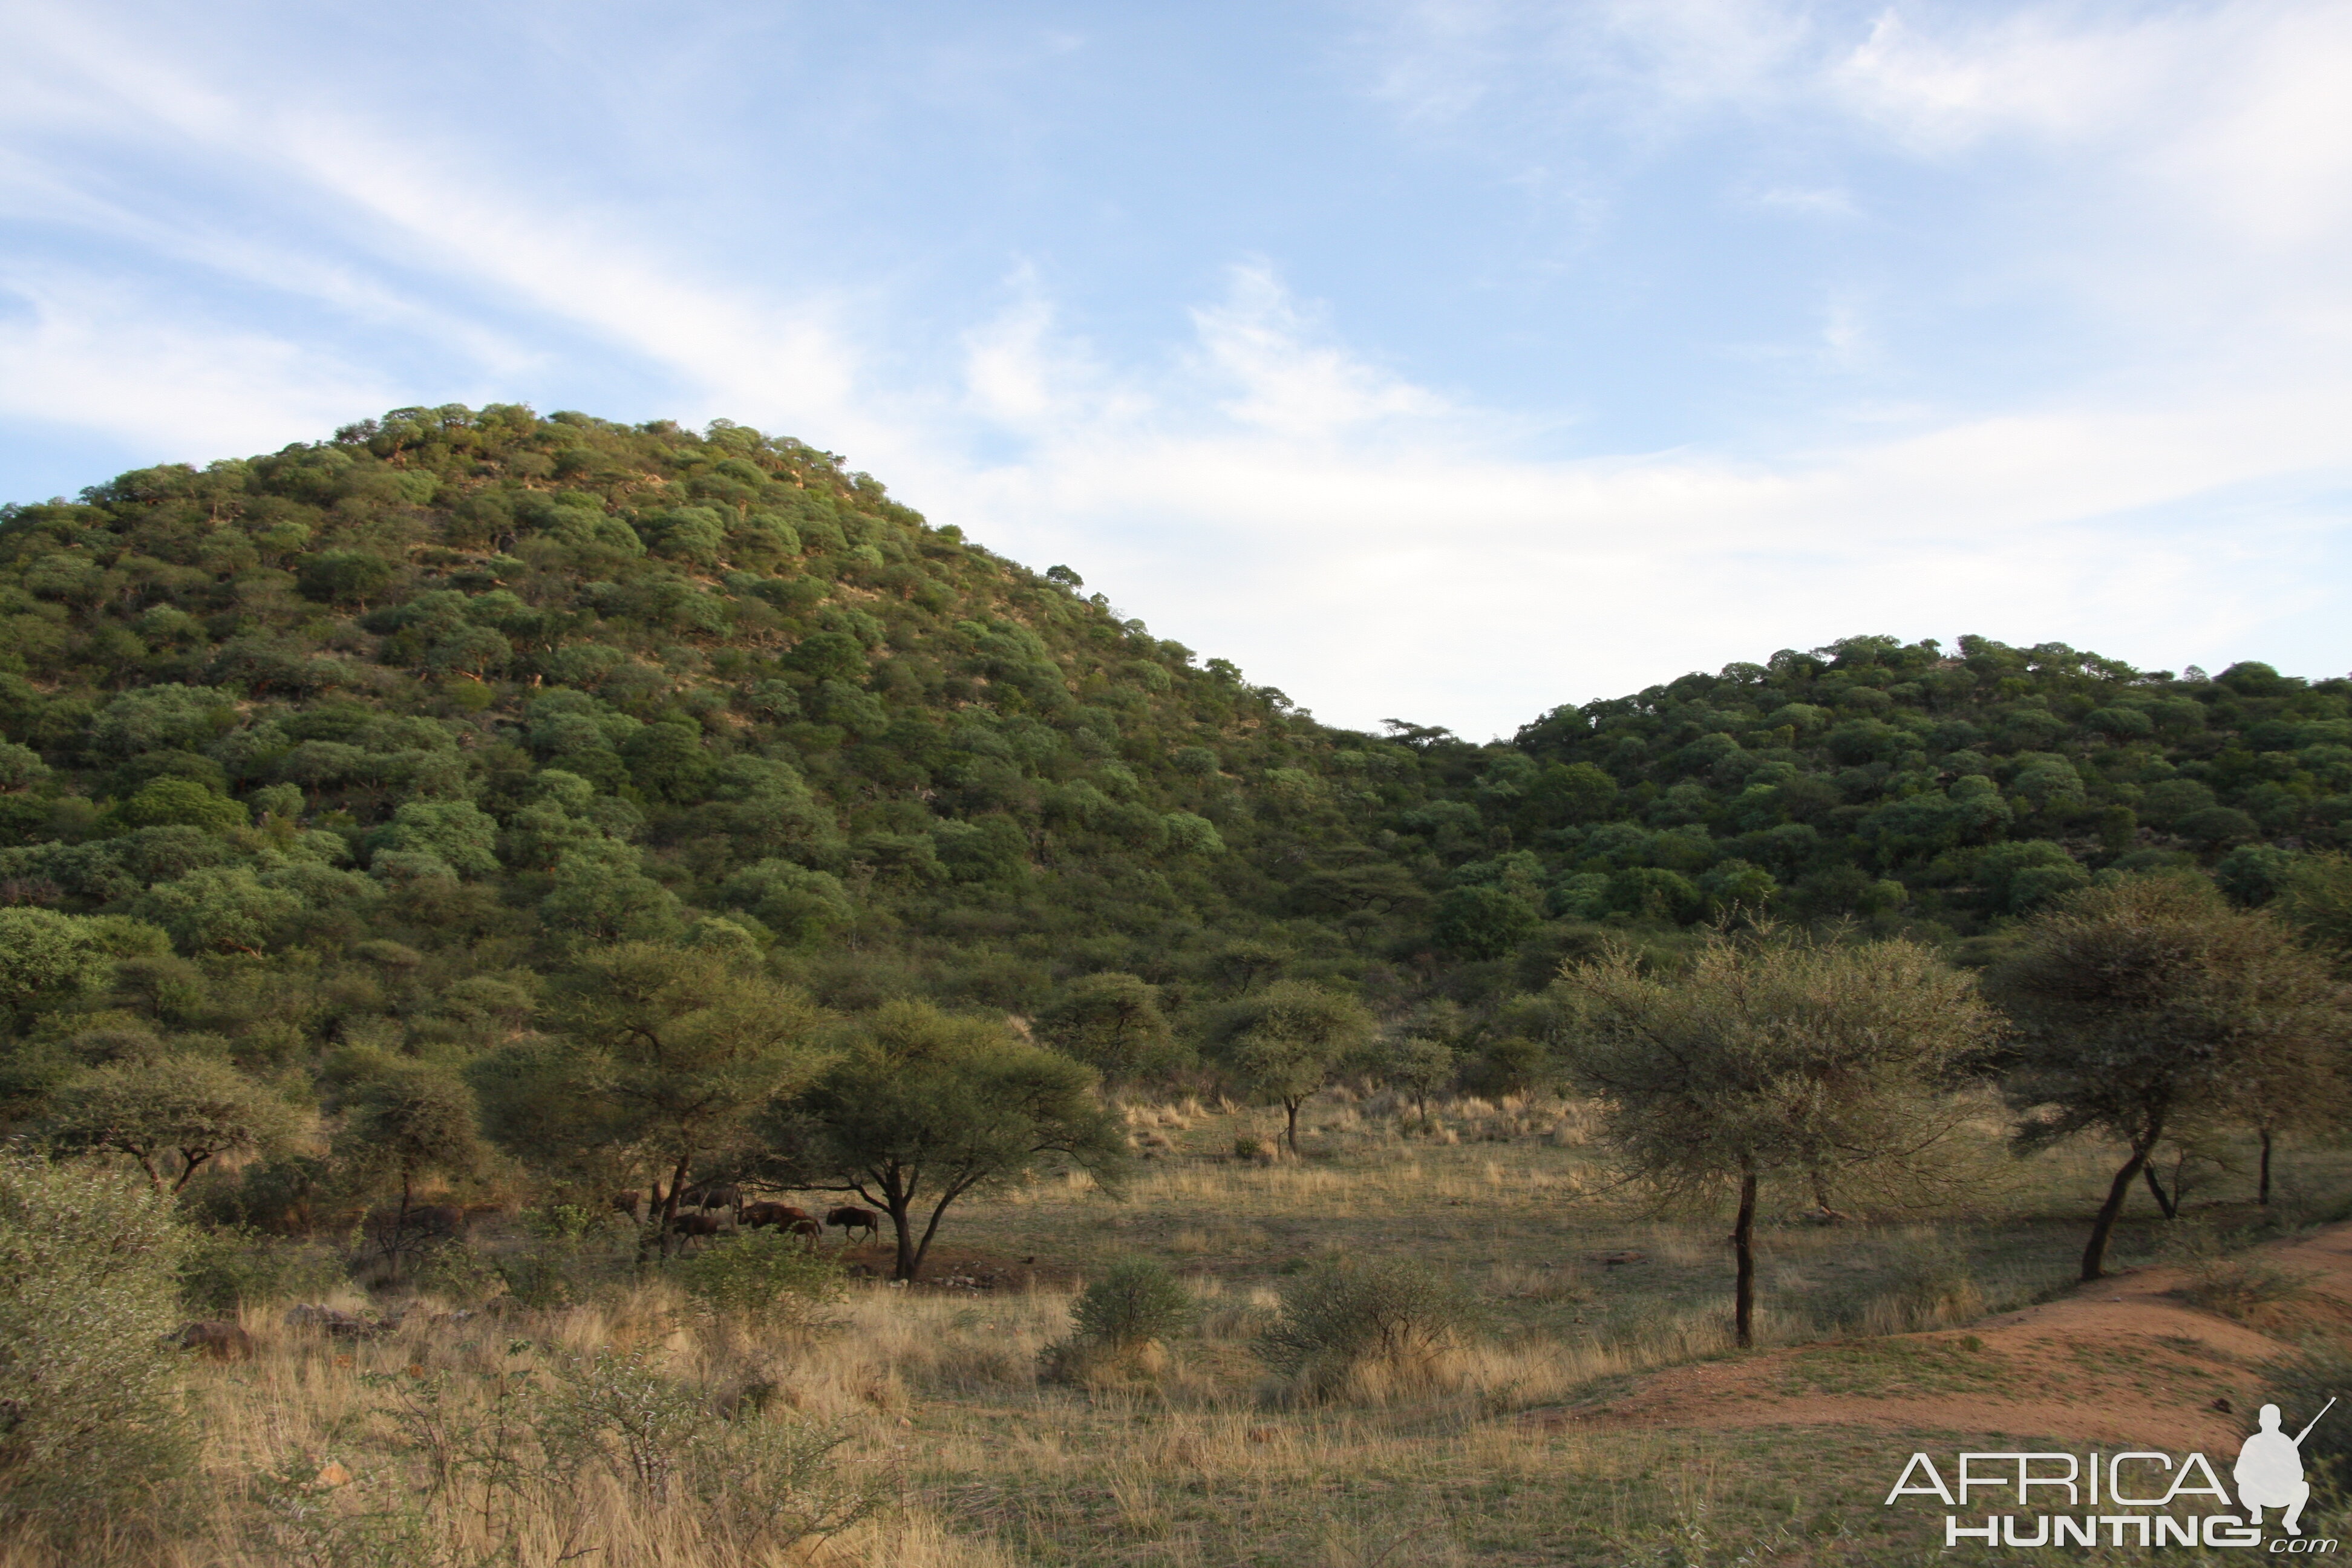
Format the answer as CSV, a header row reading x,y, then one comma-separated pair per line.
x,y
1873,778
484,685
360,746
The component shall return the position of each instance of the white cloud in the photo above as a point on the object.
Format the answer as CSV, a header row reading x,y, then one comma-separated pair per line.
x,y
1285,383
108,359
1414,567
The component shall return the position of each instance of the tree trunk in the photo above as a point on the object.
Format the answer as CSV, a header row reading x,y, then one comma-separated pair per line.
x,y
1821,1198
898,1201
397,1243
188,1164
1290,1111
1743,1245
2094,1255
923,1247
909,1257
2265,1199
669,1204
2170,1206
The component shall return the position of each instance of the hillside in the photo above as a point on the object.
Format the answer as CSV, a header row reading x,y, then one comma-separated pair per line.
x,y
1870,778
485,684
355,742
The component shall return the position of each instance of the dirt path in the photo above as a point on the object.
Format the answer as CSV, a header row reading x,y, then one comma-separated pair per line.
x,y
2124,1360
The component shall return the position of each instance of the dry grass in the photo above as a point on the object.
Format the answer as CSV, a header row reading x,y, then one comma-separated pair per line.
x,y
937,1394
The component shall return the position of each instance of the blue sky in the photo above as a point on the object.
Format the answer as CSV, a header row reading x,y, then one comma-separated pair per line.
x,y
1441,361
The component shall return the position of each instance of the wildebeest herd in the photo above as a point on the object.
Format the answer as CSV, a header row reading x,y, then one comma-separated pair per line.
x,y
721,1210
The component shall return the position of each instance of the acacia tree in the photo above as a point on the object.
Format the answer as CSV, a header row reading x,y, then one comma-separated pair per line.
x,y
923,1107
1419,1066
196,1107
1772,1057
662,1054
2149,1009
1112,1022
1282,1043
408,1119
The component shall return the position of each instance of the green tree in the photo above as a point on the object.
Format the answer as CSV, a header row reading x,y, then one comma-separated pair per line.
x,y
2149,1009
216,908
1112,1022
2316,899
923,1107
1573,792
1483,921
454,832
196,1107
1282,1043
1419,1066
660,1055
46,956
601,894
166,801
801,906
1772,1057
408,1120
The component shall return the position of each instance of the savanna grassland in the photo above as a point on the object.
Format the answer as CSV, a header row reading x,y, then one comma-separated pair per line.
x,y
967,1453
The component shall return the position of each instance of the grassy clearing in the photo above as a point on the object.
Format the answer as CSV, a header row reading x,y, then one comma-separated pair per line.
x,y
936,1398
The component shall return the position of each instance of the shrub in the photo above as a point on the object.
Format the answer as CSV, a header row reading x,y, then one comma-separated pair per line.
x,y
1391,1318
232,1266
761,1274
567,1243
2236,1286
455,1272
757,1480
1137,1301
1928,1284
89,1422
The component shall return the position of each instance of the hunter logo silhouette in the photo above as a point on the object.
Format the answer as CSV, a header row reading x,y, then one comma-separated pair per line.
x,y
2269,1472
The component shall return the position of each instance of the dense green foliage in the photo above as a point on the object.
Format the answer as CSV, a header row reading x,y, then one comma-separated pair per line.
x,y
598,785
1871,777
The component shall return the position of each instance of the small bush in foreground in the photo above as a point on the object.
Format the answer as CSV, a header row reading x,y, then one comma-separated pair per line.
x,y
1135,1300
1118,1324
1383,1322
88,1423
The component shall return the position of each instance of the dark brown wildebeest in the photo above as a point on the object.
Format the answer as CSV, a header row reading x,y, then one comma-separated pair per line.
x,y
699,1225
631,1203
808,1230
781,1215
717,1195
850,1219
